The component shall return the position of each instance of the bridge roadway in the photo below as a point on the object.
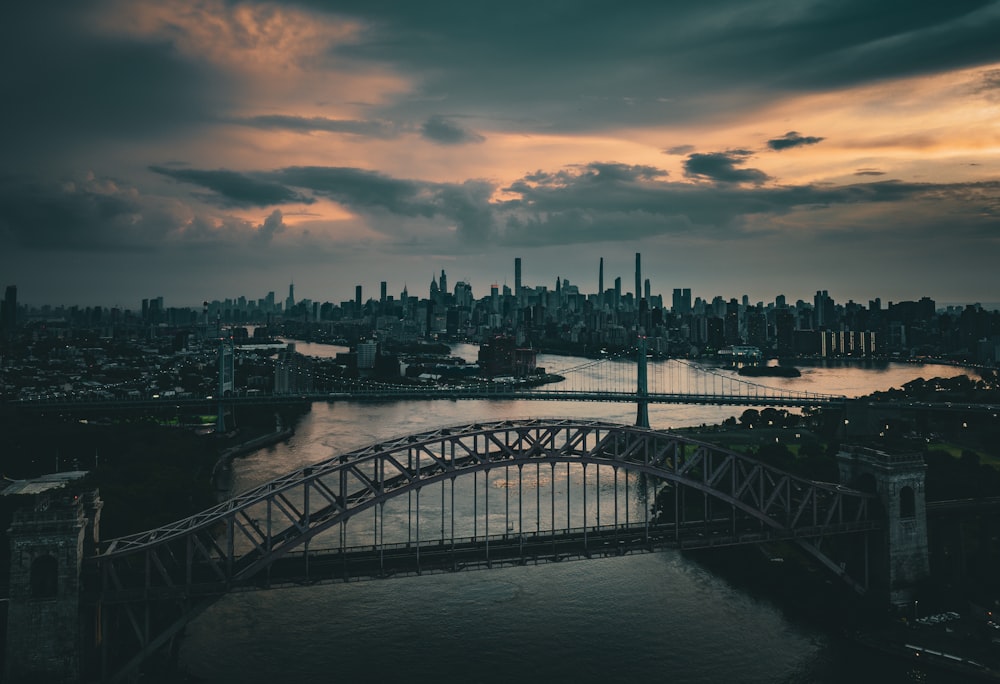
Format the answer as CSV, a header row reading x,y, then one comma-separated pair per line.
x,y
435,393
211,404
321,566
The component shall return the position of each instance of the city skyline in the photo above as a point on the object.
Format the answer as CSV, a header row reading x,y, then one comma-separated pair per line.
x,y
284,298
202,148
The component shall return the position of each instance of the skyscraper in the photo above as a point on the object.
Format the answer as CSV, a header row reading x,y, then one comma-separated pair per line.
x,y
638,279
600,278
517,282
823,306
8,318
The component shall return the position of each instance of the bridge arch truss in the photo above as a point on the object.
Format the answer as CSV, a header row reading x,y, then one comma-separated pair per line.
x,y
240,543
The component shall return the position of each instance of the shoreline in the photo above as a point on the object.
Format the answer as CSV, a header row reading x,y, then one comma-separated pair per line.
x,y
220,471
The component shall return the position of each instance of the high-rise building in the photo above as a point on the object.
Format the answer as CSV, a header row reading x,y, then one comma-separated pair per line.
x,y
823,306
638,278
517,283
382,290
8,317
367,352
357,300
443,285
463,295
682,300
600,283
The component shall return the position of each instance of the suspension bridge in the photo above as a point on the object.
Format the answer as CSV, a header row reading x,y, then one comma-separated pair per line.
x,y
622,378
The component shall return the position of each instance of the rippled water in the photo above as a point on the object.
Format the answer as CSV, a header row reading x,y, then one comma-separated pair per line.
x,y
657,617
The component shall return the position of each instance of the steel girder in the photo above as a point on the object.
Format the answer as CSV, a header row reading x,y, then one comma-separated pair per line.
x,y
156,581
210,551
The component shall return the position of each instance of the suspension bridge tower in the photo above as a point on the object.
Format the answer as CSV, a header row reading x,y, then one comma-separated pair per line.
x,y
226,381
642,385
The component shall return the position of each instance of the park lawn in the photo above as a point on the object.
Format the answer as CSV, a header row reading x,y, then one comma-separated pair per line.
x,y
955,451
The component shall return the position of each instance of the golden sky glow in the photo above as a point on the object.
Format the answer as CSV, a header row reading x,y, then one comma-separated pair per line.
x,y
394,140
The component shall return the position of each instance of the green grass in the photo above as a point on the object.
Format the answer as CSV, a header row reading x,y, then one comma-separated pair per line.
x,y
955,451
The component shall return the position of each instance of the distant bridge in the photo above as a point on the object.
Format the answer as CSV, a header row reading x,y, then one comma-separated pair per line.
x,y
612,379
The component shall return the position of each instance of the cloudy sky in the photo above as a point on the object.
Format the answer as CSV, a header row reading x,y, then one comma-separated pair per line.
x,y
202,149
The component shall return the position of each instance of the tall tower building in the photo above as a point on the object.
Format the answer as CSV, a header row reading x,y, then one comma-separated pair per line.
x,y
443,284
823,306
357,299
382,292
600,280
638,279
290,302
8,319
517,282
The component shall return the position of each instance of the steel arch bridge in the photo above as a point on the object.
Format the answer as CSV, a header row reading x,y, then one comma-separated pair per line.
x,y
149,585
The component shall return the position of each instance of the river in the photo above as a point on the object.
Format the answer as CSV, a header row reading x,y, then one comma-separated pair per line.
x,y
653,617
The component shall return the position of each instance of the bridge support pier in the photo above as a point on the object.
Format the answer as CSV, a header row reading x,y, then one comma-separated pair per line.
x,y
642,386
226,384
50,633
898,479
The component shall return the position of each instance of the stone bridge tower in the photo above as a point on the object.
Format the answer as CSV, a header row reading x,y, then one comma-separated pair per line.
x,y
49,632
898,479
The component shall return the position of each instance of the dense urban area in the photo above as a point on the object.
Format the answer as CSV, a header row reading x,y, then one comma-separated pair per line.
x,y
157,465
60,351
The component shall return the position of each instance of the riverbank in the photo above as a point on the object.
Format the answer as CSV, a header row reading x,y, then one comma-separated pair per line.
x,y
221,478
957,642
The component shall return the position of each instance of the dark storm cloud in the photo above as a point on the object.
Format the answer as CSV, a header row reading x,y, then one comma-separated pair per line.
x,y
102,215
563,208
444,131
361,189
680,150
792,139
64,85
596,174
236,189
271,226
722,167
464,204
659,61
303,124
597,202
89,216
869,172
